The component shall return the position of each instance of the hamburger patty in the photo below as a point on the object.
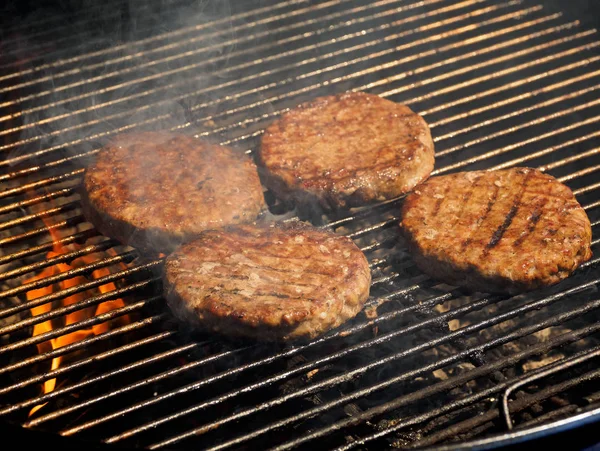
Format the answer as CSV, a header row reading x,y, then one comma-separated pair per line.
x,y
277,282
346,150
155,190
506,231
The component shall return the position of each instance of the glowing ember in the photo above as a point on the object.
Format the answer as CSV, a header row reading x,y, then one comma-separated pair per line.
x,y
76,316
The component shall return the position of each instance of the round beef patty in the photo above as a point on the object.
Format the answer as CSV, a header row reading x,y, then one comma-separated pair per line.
x,y
503,231
346,150
274,282
155,191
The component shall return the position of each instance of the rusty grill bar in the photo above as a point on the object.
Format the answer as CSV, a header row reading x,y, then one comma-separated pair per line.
x,y
500,83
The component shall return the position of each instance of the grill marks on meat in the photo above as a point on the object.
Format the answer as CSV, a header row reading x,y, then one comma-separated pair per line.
x,y
278,282
346,150
499,231
155,191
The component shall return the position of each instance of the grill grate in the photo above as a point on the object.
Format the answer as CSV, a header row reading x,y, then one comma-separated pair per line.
x,y
500,83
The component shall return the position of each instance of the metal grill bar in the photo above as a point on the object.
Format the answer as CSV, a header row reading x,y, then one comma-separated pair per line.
x,y
36,200
521,111
281,83
67,309
418,348
300,369
586,189
245,122
139,384
592,205
548,150
66,207
52,164
417,71
397,90
70,221
97,358
518,405
54,260
581,173
441,386
69,275
29,187
245,65
204,37
82,344
154,358
551,369
43,247
510,147
558,413
525,124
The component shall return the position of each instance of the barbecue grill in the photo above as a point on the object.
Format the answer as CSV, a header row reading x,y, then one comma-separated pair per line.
x,y
89,352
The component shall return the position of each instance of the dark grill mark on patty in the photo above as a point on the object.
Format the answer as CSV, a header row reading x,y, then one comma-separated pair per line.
x,y
466,243
499,233
497,236
533,220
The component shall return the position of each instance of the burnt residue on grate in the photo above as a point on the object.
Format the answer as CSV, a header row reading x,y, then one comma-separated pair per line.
x,y
87,345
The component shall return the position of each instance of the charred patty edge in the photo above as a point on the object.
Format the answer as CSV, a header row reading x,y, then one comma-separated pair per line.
x,y
469,277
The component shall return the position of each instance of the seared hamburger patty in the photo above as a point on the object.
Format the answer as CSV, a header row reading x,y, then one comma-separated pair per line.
x,y
508,231
346,150
155,191
277,282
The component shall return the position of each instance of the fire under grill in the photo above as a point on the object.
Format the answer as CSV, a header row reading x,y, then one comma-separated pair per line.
x,y
88,347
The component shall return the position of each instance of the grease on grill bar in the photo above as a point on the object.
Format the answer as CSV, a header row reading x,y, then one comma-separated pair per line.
x,y
87,347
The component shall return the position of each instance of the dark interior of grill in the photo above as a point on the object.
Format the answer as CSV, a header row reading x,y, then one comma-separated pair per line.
x,y
89,350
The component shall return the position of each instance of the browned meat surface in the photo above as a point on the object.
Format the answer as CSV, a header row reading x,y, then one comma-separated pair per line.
x,y
509,231
155,191
346,150
277,282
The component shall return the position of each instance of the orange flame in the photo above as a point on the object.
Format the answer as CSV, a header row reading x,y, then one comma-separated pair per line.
x,y
76,316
